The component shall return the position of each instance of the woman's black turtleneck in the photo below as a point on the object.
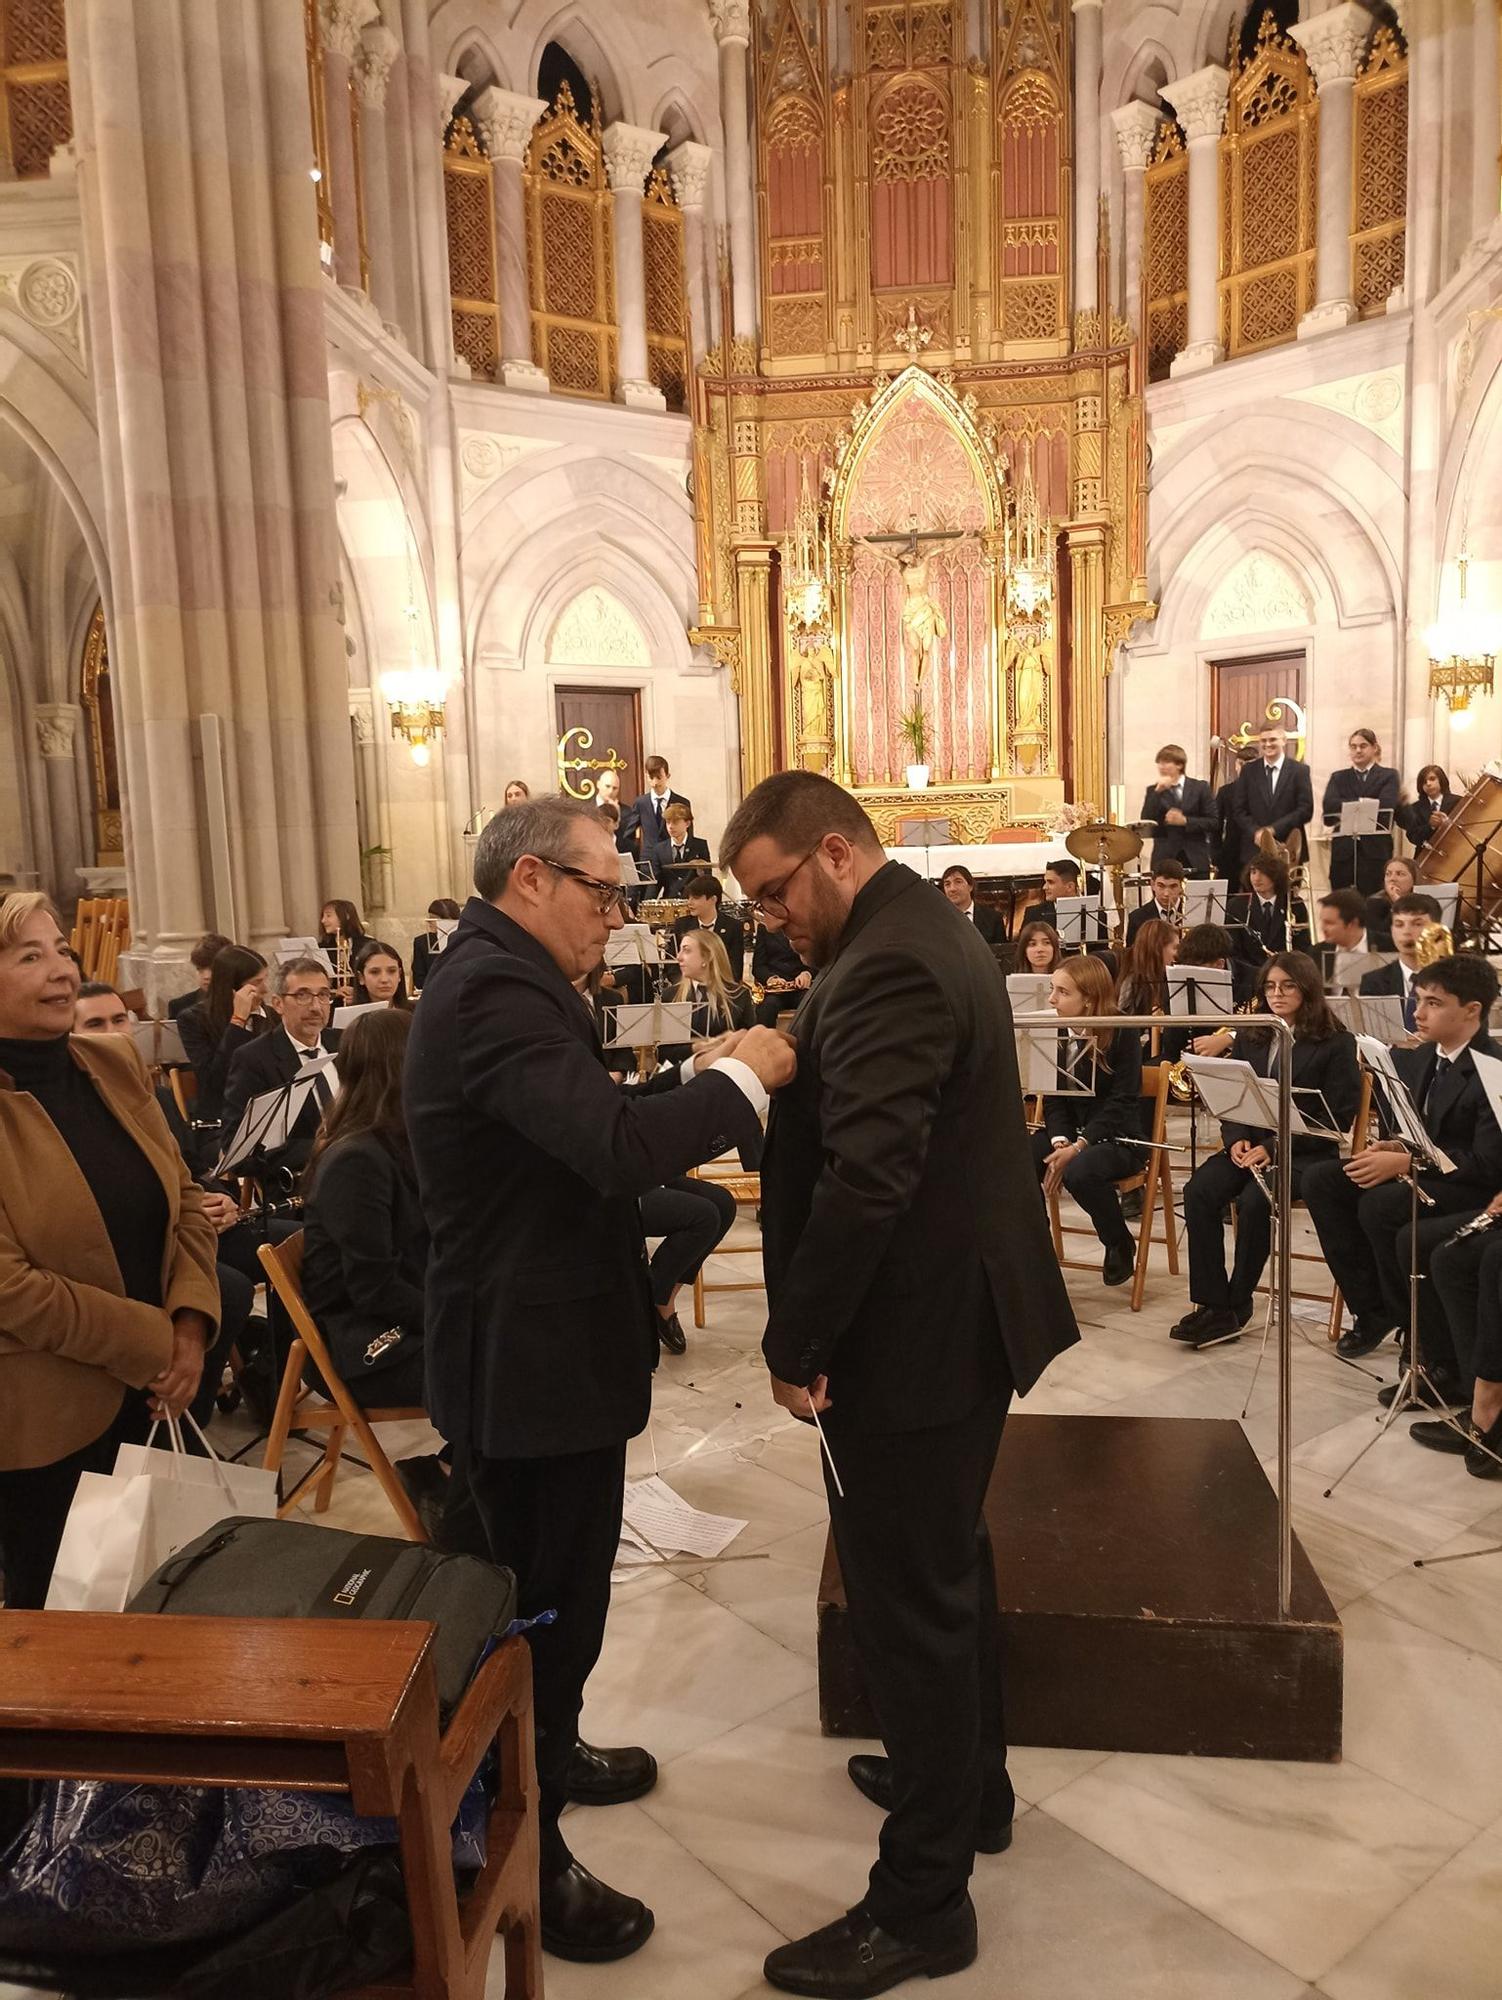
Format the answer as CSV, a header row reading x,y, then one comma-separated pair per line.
x,y
130,1196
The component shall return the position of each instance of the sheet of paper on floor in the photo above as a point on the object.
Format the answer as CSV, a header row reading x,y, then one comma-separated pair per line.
x,y
658,1519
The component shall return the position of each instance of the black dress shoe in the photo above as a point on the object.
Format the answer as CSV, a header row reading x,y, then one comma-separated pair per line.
x,y
609,1777
1365,1337
1120,1260
1188,1327
854,1958
872,1776
1220,1329
670,1333
585,1920
1450,1394
1443,1437
1481,1461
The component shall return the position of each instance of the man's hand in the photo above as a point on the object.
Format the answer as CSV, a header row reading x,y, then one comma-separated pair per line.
x,y
1245,1153
221,1209
1057,1161
772,1057
1494,1206
710,1051
1174,817
177,1385
802,1402
1377,1165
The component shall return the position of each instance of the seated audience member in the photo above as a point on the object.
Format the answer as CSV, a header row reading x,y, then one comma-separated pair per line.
x,y
1359,862
1167,903
1398,879
679,855
720,1003
1344,945
1266,917
231,1014
1083,1144
302,999
109,1299
780,973
1209,946
1467,1274
704,896
381,977
517,792
1324,1062
1360,1209
1143,987
958,885
201,958
691,1216
1038,947
1409,917
425,944
1424,820
1183,814
1060,878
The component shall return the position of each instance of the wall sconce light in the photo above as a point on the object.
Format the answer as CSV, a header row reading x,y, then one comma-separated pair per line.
x,y
1463,647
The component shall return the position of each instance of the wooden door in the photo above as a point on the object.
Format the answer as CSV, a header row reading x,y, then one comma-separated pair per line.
x,y
1240,691
612,718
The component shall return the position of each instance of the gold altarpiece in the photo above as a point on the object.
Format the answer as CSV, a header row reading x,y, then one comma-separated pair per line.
x,y
923,396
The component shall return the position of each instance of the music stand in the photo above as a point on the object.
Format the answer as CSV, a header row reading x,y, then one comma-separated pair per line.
x,y
1201,989
159,1044
1378,1015
1028,992
1043,1060
1358,820
266,1123
1072,912
345,1017
651,1023
1205,902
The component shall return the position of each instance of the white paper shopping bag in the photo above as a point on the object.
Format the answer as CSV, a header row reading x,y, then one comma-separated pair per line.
x,y
249,1489
101,1538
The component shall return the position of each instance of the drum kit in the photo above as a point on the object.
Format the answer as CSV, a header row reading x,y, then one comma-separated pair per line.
x,y
1111,849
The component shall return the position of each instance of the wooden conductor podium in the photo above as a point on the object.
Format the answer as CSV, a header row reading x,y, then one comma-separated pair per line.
x,y
1137,1584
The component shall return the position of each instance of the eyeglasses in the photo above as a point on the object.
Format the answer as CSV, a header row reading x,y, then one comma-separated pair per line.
x,y
772,902
610,896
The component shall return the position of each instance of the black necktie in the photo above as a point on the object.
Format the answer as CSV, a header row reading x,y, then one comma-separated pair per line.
x,y
677,852
1432,1088
322,1089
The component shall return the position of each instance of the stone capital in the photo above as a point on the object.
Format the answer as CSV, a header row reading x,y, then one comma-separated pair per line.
x,y
447,91
732,20
340,22
504,121
1200,101
379,49
629,152
1136,128
1334,42
56,726
688,169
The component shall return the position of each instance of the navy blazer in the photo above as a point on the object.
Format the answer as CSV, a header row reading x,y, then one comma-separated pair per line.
x,y
1189,843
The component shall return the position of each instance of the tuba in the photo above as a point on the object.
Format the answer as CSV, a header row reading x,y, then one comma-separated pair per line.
x,y
1434,942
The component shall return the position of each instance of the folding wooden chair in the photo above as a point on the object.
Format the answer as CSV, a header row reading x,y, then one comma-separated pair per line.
x,y
1358,1145
746,1190
184,1089
1155,1179
300,1407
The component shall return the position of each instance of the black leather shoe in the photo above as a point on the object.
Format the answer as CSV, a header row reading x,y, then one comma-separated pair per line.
x,y
854,1958
609,1777
1443,1437
586,1921
670,1333
1365,1337
1486,1449
1451,1395
1188,1327
1119,1262
872,1776
1220,1329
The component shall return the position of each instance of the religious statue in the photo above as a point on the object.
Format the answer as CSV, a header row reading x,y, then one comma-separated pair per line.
x,y
1028,681
924,626
815,740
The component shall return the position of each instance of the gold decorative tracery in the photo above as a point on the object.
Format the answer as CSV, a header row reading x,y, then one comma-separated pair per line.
x,y
569,252
1269,211
667,309
469,210
909,132
1165,251
1379,193
791,190
36,114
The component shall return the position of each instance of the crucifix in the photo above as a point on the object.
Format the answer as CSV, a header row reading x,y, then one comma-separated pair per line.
x,y
924,626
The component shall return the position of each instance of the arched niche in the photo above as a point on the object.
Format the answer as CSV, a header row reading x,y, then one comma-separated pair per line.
x,y
595,629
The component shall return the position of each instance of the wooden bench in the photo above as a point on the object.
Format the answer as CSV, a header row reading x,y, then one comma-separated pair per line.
x,y
310,1705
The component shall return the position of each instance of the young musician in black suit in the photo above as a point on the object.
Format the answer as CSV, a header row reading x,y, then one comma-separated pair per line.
x,y
780,973
1275,793
1352,859
911,1292
1361,1209
1324,1062
1266,917
1423,820
302,999
1084,1144
424,944
1398,879
1228,855
1467,1274
643,823
1409,917
704,895
1183,814
958,885
541,1335
201,958
679,855
1167,901
1060,878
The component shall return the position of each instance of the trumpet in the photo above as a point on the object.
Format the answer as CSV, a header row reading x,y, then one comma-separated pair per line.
x,y
341,963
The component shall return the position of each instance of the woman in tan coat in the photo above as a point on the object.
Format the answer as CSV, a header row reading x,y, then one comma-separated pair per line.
x,y
108,1296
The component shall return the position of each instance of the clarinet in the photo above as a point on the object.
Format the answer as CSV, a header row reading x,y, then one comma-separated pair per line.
x,y
1477,1226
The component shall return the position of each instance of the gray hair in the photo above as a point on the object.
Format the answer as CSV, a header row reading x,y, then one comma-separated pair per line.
x,y
541,827
288,968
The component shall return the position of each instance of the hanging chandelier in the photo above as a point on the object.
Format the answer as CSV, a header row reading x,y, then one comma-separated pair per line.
x,y
806,595
415,694
1029,584
1463,647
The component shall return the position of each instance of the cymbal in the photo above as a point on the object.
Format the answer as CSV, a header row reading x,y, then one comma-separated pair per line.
x,y
1099,840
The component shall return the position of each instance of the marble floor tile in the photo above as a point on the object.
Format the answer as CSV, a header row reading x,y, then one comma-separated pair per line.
x,y
772,1507
1037,1774
1458,1600
1445,1941
1298,1860
777,1592
1397,1470
1357,1540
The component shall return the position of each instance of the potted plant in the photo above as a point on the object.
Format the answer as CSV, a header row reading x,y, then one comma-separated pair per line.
x,y
913,730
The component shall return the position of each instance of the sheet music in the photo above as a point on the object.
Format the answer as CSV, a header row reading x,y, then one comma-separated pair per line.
x,y
159,1043
1376,1014
1489,1069
654,1513
1205,902
631,876
1404,1112
639,1025
1043,1060
1234,1093
1359,816
1200,989
1028,992
632,944
1082,919
343,1016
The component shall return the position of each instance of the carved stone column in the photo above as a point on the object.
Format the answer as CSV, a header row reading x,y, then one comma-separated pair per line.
x,y
732,30
1087,45
378,51
1333,42
1086,542
629,152
1486,117
57,728
1136,128
339,26
504,121
688,165
1200,101
753,594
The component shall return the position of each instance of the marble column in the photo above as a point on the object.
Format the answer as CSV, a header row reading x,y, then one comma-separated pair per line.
x,y
211,371
1087,45
1200,102
755,680
504,120
1136,127
1486,117
1089,666
629,152
378,51
688,166
1334,42
339,26
57,728
732,29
